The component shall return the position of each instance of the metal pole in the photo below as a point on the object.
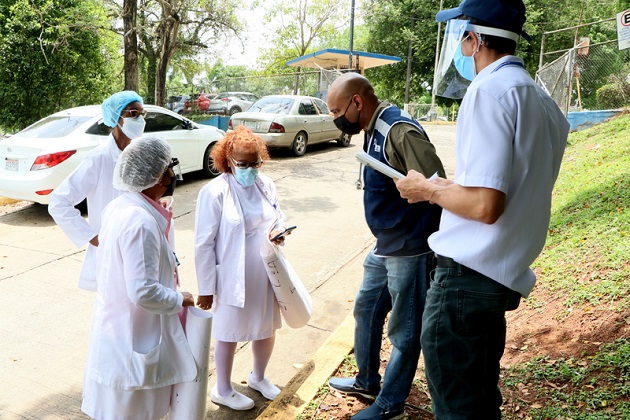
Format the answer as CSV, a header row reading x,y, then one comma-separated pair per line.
x,y
437,57
351,34
409,59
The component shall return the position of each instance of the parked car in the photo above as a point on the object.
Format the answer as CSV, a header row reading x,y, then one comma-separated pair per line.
x,y
34,161
198,102
229,103
290,121
176,103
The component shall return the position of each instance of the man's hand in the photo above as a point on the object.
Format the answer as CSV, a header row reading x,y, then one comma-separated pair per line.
x,y
414,187
189,300
205,302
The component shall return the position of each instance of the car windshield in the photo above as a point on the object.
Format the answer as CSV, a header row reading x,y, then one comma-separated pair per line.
x,y
272,105
53,127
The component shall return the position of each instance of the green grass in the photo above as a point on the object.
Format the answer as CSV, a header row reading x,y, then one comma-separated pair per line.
x,y
588,247
593,387
586,261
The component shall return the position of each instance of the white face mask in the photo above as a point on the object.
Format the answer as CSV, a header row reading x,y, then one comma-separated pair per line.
x,y
133,127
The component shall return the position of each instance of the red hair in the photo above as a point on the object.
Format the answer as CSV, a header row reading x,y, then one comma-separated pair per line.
x,y
242,137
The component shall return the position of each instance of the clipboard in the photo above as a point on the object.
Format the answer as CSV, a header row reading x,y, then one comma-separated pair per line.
x,y
377,165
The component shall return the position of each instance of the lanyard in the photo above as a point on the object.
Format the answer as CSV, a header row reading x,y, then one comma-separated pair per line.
x,y
509,63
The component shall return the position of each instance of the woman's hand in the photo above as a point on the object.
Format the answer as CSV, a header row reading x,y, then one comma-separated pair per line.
x,y
189,299
205,302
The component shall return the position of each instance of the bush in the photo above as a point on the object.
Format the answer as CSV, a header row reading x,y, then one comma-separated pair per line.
x,y
610,96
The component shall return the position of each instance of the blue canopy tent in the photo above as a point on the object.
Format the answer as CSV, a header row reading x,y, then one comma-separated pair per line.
x,y
332,59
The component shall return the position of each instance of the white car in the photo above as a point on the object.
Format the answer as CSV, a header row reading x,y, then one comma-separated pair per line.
x,y
290,121
34,161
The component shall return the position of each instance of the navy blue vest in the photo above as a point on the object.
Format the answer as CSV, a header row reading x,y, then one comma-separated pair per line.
x,y
400,228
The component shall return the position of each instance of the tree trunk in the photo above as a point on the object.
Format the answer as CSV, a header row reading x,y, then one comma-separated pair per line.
x,y
169,28
152,67
130,40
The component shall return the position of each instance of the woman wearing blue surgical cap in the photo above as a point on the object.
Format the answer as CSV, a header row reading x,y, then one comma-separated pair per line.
x,y
92,180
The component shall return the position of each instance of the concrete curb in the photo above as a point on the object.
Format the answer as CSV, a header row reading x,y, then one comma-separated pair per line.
x,y
303,387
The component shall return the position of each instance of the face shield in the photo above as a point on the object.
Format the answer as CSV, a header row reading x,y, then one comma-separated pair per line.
x,y
449,81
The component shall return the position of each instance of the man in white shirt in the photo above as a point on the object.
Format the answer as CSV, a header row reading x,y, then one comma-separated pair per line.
x,y
510,142
92,180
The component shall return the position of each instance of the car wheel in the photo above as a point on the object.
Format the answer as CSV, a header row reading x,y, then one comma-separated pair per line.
x,y
208,164
235,109
344,140
298,147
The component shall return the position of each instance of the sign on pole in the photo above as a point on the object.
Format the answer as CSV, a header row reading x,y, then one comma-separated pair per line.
x,y
623,29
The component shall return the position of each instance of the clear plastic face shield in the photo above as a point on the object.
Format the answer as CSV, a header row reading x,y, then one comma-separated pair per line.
x,y
455,71
448,82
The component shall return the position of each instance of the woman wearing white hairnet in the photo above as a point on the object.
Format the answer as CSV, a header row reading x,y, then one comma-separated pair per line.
x,y
137,344
235,213
92,179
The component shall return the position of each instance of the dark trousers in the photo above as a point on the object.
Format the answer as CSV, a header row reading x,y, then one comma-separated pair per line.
x,y
463,338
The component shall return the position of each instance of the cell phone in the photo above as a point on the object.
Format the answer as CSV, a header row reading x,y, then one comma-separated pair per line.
x,y
283,233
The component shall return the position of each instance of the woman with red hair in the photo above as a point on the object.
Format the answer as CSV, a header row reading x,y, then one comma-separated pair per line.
x,y
236,212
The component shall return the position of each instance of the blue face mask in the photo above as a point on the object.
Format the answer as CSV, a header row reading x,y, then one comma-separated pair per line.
x,y
465,65
246,177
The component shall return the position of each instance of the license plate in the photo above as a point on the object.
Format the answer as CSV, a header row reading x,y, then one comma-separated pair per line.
x,y
11,164
251,124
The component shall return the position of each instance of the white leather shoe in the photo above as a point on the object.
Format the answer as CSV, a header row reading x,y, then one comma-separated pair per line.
x,y
236,400
265,387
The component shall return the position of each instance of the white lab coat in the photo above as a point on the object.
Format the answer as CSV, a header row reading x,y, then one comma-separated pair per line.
x,y
137,340
220,239
92,179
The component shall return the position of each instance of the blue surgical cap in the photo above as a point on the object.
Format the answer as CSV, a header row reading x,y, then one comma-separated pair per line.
x,y
114,105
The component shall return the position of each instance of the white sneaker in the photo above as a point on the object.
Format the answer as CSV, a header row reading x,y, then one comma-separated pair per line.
x,y
265,387
236,400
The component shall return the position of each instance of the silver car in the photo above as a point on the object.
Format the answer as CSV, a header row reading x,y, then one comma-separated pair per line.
x,y
229,103
290,121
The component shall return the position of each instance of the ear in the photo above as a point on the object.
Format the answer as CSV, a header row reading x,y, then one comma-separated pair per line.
x,y
358,101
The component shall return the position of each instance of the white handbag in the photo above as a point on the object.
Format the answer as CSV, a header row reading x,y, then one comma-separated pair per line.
x,y
294,300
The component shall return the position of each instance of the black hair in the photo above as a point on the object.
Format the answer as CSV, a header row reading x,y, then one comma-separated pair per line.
x,y
499,44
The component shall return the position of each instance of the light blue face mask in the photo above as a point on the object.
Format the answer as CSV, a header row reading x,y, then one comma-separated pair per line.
x,y
246,177
465,65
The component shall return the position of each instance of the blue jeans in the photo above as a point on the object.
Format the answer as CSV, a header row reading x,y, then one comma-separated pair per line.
x,y
463,338
398,284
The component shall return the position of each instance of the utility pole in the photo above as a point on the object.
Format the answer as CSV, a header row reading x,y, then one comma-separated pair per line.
x,y
437,57
351,34
409,60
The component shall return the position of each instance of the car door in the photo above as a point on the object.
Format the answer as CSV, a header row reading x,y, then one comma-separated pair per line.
x,y
176,131
311,120
329,129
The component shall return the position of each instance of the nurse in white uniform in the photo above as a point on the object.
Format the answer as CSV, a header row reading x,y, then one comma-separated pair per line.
x,y
92,179
235,213
138,348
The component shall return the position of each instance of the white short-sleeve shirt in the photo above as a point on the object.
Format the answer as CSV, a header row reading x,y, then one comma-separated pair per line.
x,y
510,137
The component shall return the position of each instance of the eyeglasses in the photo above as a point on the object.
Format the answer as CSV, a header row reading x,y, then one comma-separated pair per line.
x,y
135,113
245,165
174,162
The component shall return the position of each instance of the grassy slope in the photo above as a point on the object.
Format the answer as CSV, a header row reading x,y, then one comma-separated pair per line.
x,y
587,261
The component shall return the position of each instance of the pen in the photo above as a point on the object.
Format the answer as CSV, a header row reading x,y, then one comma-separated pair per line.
x,y
434,176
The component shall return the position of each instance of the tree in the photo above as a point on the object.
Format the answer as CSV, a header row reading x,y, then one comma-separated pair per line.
x,y
130,42
55,55
302,24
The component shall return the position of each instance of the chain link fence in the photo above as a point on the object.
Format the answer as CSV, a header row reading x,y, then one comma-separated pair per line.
x,y
588,72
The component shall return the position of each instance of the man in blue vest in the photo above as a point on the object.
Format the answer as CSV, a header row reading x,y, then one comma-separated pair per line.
x,y
396,271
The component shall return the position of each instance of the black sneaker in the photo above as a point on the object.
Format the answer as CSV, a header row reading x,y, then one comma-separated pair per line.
x,y
376,412
348,386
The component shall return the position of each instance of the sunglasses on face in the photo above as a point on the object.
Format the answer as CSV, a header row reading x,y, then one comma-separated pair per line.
x,y
133,113
245,165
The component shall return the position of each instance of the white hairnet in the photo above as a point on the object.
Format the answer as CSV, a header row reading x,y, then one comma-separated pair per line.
x,y
114,105
142,164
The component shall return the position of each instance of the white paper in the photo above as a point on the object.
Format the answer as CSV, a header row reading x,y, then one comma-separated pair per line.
x,y
378,165
188,399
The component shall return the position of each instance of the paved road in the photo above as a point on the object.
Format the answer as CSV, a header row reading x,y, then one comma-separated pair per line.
x,y
44,322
